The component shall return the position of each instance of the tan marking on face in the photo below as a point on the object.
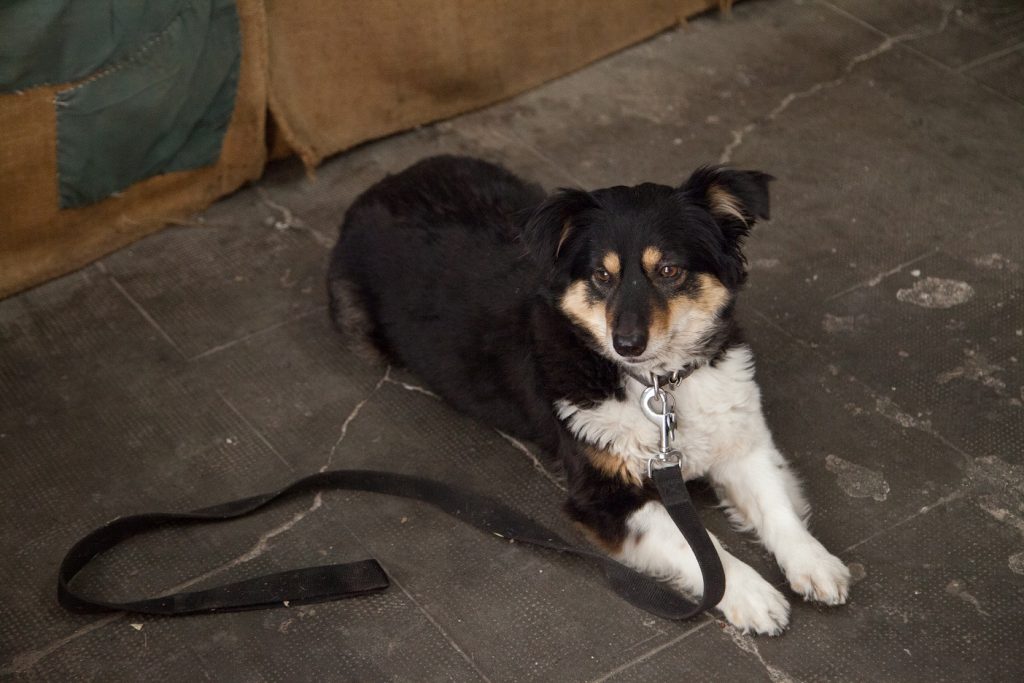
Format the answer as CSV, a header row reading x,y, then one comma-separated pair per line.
x,y
724,204
711,296
612,263
651,258
612,465
591,315
660,321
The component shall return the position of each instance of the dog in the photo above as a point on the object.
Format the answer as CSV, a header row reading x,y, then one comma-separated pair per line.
x,y
543,316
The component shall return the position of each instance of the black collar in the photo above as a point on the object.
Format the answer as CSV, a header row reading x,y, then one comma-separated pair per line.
x,y
670,379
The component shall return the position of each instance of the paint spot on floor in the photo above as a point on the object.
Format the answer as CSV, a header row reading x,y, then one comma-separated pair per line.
x,y
857,481
996,262
857,572
976,368
935,292
956,588
994,505
764,263
1005,477
747,644
888,409
839,324
1003,498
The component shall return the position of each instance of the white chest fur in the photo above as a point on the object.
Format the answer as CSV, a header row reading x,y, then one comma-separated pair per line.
x,y
718,411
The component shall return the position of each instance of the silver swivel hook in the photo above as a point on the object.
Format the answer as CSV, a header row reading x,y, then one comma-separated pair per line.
x,y
659,407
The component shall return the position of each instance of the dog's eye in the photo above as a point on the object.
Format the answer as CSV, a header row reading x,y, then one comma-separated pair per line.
x,y
669,272
602,275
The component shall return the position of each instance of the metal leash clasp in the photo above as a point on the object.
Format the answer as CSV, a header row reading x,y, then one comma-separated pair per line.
x,y
664,417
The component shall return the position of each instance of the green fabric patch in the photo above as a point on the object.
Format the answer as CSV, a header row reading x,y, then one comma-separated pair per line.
x,y
163,108
56,41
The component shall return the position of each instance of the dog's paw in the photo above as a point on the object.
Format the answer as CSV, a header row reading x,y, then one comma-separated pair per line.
x,y
751,604
817,574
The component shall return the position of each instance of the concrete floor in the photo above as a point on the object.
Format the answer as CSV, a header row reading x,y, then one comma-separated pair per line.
x,y
885,307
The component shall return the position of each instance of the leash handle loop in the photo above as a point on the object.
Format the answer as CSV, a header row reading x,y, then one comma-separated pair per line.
x,y
331,582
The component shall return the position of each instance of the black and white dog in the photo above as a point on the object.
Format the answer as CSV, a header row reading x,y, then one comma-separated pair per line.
x,y
537,315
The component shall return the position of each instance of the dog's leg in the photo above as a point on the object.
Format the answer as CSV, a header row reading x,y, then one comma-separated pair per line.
x,y
763,496
629,522
655,546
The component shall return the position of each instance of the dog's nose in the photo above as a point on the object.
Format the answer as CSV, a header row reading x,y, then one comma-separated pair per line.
x,y
629,337
629,345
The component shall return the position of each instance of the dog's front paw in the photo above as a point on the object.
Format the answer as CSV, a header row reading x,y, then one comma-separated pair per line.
x,y
817,574
751,604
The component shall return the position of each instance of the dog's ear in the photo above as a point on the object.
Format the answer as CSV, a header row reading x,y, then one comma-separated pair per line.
x,y
555,223
735,199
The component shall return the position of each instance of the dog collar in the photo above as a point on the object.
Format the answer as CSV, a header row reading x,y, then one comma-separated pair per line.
x,y
669,379
664,416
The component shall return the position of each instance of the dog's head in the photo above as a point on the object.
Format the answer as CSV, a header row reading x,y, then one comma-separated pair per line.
x,y
649,273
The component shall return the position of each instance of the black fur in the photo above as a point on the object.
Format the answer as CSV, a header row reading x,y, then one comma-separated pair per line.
x,y
458,267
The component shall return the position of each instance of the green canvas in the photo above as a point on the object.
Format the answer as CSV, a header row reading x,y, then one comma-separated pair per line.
x,y
163,108
56,41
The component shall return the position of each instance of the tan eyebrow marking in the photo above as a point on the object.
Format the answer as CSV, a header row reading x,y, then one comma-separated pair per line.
x,y
612,263
650,258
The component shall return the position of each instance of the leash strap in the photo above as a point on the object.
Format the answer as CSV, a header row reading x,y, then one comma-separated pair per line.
x,y
332,582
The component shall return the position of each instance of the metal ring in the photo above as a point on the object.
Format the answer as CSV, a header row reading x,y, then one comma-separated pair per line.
x,y
661,463
647,396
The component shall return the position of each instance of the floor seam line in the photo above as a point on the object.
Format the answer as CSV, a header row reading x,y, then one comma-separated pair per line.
x,y
881,277
653,651
439,628
991,57
143,312
255,333
252,427
945,500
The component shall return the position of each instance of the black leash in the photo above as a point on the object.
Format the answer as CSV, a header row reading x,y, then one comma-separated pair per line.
x,y
331,582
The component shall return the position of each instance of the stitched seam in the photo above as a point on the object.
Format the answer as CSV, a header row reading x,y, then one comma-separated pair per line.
x,y
135,58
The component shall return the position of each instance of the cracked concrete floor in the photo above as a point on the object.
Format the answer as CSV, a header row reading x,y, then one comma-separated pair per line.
x,y
884,307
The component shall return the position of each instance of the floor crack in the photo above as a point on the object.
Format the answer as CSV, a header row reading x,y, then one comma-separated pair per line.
x,y
411,387
21,663
739,135
537,464
386,377
747,644
289,221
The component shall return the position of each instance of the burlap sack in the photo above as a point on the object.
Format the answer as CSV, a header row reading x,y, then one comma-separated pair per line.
x,y
333,73
39,240
345,72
